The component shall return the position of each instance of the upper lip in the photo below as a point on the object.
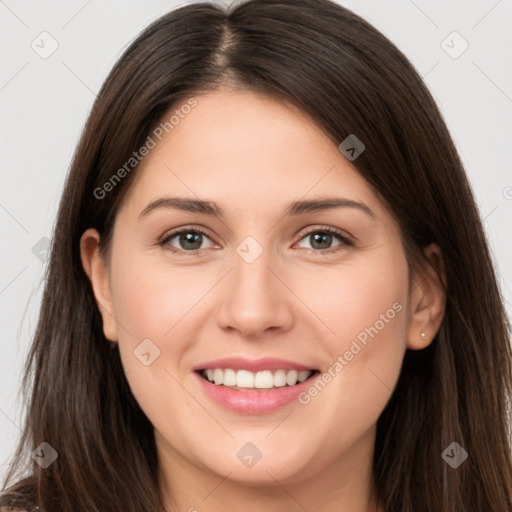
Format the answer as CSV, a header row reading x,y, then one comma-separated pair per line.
x,y
253,365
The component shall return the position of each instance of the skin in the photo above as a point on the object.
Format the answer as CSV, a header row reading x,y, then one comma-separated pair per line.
x,y
253,156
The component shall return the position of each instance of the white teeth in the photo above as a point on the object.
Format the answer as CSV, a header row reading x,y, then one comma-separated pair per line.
x,y
265,379
229,377
303,375
280,378
291,377
244,379
218,376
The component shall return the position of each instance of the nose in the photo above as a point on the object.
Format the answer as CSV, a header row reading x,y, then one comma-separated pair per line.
x,y
254,298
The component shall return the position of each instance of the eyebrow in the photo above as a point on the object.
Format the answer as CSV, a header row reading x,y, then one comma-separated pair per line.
x,y
295,208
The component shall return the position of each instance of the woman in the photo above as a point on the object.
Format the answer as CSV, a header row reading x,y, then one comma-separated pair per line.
x,y
368,370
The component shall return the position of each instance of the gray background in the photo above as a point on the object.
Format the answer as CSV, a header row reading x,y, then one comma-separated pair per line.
x,y
44,103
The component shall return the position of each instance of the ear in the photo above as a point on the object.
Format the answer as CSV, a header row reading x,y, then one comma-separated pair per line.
x,y
427,300
96,269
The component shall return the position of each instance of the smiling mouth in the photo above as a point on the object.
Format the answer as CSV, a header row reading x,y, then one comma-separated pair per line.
x,y
245,380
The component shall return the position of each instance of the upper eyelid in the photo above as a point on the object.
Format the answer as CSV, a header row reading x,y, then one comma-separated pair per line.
x,y
329,229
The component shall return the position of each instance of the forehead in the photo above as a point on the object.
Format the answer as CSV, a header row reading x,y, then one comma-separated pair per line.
x,y
248,151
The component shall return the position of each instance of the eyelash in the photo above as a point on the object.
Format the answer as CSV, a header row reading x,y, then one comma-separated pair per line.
x,y
343,238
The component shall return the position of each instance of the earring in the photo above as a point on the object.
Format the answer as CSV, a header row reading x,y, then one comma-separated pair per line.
x,y
423,335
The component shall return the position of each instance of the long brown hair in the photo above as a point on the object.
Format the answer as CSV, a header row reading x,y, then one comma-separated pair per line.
x,y
351,80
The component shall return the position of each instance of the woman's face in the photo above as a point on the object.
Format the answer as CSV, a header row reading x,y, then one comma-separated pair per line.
x,y
276,289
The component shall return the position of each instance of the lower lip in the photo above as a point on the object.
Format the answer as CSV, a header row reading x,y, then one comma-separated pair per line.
x,y
253,402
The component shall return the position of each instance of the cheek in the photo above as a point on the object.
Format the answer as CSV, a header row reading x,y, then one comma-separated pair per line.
x,y
155,303
151,299
364,300
366,308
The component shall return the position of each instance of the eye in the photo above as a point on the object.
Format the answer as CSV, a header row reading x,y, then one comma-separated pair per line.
x,y
321,240
190,240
